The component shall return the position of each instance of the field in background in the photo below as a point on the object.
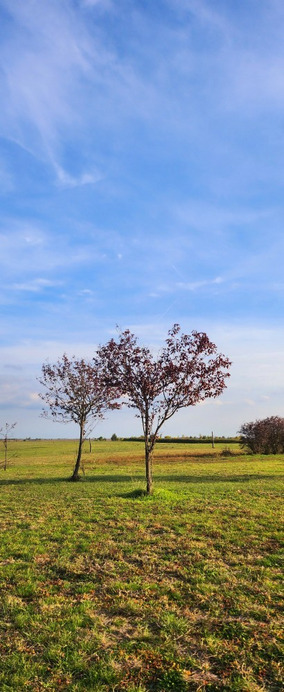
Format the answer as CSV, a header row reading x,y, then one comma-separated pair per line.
x,y
62,454
106,589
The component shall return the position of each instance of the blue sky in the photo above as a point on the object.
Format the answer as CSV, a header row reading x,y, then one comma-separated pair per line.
x,y
141,182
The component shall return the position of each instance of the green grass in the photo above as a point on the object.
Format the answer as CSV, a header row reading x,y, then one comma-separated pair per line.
x,y
104,588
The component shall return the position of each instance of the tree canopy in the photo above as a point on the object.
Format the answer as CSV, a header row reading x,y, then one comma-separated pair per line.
x,y
74,391
264,436
187,370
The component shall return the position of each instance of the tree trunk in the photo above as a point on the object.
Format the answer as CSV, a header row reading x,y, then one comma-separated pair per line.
x,y
75,476
148,468
5,453
149,444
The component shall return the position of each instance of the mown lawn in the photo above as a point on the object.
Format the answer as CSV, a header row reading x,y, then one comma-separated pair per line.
x,y
103,588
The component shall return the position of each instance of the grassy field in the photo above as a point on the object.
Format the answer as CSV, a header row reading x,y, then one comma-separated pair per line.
x,y
103,588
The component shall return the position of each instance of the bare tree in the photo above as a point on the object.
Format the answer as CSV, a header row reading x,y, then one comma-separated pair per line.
x,y
75,392
5,434
185,372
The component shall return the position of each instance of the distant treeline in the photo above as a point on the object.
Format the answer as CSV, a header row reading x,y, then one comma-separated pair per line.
x,y
187,440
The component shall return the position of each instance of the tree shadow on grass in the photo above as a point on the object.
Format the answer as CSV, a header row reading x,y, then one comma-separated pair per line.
x,y
135,494
218,478
63,479
171,478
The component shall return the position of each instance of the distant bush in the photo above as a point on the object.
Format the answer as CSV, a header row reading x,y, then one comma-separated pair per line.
x,y
263,436
114,437
227,452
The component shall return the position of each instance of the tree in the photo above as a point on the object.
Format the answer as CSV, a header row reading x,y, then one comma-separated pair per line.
x,y
185,372
74,392
263,436
5,434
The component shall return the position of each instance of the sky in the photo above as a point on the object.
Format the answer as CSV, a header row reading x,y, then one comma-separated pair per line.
x,y
141,185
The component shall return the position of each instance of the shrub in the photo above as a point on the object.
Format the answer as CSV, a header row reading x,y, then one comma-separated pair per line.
x,y
227,452
263,436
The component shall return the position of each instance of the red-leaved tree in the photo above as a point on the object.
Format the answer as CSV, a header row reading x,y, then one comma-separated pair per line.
x,y
263,436
74,392
186,371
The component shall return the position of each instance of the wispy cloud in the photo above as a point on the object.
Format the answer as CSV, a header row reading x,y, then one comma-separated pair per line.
x,y
195,285
68,180
100,4
43,63
26,247
64,82
248,65
36,285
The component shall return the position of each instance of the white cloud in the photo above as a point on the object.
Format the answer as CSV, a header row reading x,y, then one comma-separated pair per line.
x,y
64,82
67,180
35,285
218,218
35,237
43,58
195,285
34,396
204,14
100,4
26,250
